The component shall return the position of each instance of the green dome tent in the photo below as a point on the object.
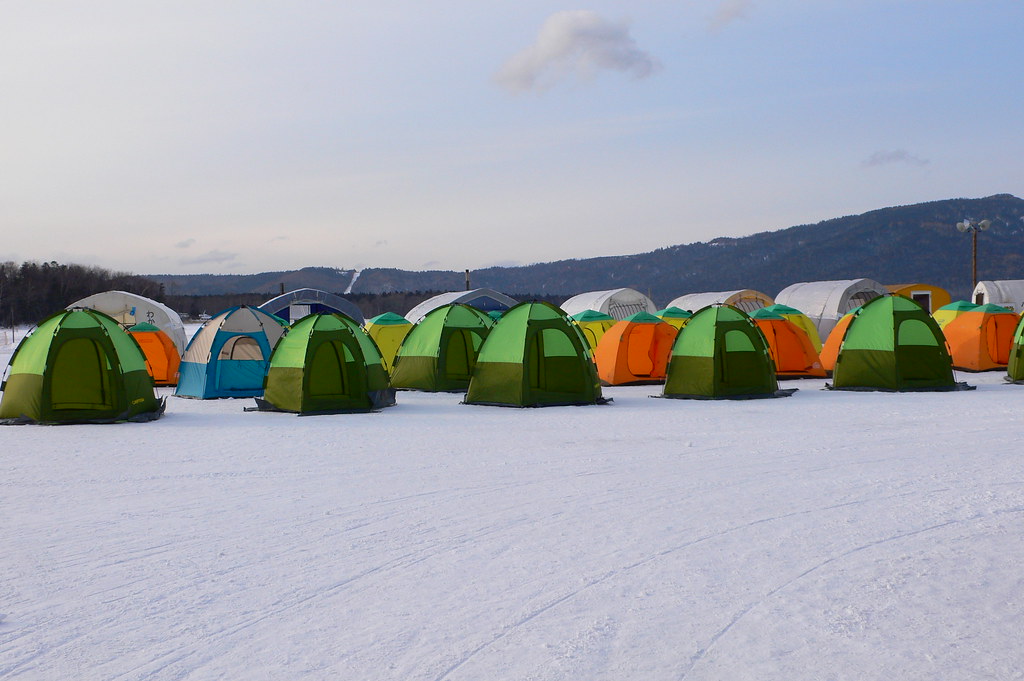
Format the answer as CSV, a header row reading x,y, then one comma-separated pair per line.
x,y
440,352
721,354
326,364
534,357
1015,368
79,366
893,344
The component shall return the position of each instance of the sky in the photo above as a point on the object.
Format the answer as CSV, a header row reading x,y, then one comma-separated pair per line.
x,y
237,137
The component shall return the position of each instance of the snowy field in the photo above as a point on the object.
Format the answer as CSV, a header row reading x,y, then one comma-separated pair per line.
x,y
825,536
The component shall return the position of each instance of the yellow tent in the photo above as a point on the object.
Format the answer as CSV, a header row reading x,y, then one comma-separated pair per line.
x,y
593,324
947,313
674,316
388,330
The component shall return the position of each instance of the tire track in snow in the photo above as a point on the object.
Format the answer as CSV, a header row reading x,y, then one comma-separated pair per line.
x,y
174,657
702,652
469,655
188,583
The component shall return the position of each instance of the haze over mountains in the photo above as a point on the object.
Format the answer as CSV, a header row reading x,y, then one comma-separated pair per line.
x,y
903,244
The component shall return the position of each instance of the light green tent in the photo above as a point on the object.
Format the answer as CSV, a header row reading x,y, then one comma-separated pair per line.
x,y
893,344
326,364
440,352
721,354
79,366
1015,368
534,357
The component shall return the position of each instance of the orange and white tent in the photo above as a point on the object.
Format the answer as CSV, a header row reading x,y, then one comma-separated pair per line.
x,y
790,346
635,350
980,340
162,358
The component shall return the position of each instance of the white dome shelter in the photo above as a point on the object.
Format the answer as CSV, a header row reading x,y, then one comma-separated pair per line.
x,y
1007,293
131,309
618,303
824,302
746,299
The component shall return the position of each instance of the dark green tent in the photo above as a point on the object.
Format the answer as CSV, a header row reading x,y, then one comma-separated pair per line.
x,y
534,357
439,354
79,366
893,344
326,364
721,354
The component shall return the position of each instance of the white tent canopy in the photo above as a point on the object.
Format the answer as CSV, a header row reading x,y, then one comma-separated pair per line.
x,y
1006,292
484,299
746,299
825,302
131,309
618,303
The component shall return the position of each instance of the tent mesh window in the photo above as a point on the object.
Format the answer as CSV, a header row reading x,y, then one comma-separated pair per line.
x,y
241,347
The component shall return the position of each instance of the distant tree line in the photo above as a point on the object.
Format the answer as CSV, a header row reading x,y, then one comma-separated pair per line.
x,y
32,291
371,304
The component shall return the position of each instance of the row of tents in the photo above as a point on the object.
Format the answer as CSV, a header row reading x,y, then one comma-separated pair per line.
x,y
82,365
822,305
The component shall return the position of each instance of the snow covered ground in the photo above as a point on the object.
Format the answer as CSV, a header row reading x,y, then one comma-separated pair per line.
x,y
824,536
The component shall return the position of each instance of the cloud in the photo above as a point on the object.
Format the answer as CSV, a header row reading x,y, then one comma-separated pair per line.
x,y
185,244
882,158
727,12
575,44
209,256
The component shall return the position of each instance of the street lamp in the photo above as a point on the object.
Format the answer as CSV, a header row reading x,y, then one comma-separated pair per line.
x,y
969,225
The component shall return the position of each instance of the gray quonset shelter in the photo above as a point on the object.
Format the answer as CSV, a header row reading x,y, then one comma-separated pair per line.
x,y
295,305
618,303
483,299
825,302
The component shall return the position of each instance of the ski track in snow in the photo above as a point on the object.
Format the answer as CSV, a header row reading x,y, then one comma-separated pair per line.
x,y
827,535
355,275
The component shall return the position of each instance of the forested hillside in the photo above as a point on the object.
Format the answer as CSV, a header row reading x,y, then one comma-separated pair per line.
x,y
905,244
31,291
901,245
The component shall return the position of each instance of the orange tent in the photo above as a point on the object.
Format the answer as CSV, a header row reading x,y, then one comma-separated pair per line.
x,y
635,350
980,340
789,345
162,358
830,349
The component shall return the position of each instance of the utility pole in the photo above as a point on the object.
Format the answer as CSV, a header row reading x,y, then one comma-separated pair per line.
x,y
969,225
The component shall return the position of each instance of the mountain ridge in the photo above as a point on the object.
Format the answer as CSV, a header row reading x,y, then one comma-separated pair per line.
x,y
900,244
